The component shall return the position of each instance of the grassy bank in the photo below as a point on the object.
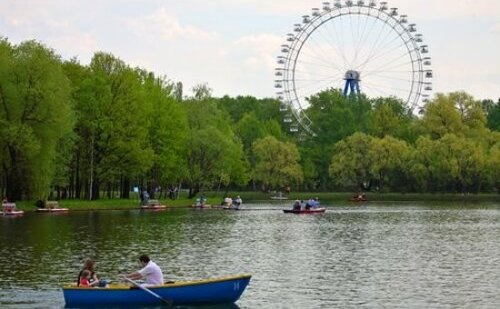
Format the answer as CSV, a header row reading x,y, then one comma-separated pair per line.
x,y
215,198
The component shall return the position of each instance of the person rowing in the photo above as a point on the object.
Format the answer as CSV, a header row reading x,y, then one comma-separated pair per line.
x,y
150,272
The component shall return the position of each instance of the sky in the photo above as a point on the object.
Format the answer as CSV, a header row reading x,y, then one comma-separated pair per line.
x,y
232,45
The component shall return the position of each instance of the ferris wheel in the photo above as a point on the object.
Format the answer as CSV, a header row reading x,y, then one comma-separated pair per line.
x,y
355,46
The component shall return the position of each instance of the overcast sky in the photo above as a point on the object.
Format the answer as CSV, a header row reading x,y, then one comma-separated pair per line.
x,y
232,44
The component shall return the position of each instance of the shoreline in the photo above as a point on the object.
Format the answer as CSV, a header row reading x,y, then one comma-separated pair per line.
x,y
215,198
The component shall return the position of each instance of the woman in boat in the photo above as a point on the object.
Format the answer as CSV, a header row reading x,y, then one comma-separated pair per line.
x,y
89,265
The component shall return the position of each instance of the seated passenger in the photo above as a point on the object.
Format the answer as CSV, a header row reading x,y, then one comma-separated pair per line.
x,y
237,202
309,204
315,203
84,279
228,201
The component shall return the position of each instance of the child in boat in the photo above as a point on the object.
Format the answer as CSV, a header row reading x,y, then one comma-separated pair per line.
x,y
84,279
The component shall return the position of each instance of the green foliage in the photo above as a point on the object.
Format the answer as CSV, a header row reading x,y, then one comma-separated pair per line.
x,y
441,117
214,154
35,115
167,131
390,117
388,156
79,128
493,117
351,163
277,163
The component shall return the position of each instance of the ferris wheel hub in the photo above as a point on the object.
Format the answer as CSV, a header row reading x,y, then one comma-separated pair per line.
x,y
352,75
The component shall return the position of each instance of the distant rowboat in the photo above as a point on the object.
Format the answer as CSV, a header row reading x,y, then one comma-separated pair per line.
x,y
223,290
305,211
358,199
10,209
52,210
50,206
153,205
201,206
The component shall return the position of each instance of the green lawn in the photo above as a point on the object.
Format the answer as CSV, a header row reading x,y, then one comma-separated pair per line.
x,y
215,198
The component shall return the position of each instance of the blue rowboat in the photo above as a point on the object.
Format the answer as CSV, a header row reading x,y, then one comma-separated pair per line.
x,y
197,292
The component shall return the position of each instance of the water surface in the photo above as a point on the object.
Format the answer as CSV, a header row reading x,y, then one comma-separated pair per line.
x,y
373,255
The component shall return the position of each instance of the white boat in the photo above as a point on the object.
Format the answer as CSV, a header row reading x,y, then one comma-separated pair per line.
x,y
10,209
52,206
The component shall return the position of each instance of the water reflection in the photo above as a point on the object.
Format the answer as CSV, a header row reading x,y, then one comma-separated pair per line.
x,y
372,255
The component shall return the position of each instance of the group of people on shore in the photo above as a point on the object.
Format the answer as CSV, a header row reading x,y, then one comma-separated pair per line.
x,y
311,203
150,272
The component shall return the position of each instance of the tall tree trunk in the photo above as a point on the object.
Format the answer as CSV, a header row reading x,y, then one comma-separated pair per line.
x,y
78,186
125,188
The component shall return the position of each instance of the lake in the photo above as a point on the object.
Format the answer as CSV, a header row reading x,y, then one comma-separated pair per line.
x,y
370,255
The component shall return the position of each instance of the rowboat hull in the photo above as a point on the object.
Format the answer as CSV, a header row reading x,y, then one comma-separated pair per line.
x,y
358,199
279,198
198,292
52,210
12,213
305,211
201,206
153,207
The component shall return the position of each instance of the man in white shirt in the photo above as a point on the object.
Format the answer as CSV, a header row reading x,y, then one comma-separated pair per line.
x,y
150,272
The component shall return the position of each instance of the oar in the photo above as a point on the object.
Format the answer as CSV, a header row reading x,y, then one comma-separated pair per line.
x,y
145,289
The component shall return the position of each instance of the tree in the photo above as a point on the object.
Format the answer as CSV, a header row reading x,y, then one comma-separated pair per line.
x,y
388,156
249,129
168,131
113,124
493,117
214,154
201,92
351,163
35,114
441,117
493,165
277,163
390,117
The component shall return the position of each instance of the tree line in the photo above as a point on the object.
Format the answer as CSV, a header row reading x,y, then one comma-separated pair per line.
x,y
69,130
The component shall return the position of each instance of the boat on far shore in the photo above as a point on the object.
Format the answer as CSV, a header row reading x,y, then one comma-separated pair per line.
x,y
10,209
153,205
360,197
50,206
201,205
279,196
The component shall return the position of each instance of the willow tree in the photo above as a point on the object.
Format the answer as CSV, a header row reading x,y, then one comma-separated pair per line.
x,y
388,156
34,115
442,117
351,162
277,163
